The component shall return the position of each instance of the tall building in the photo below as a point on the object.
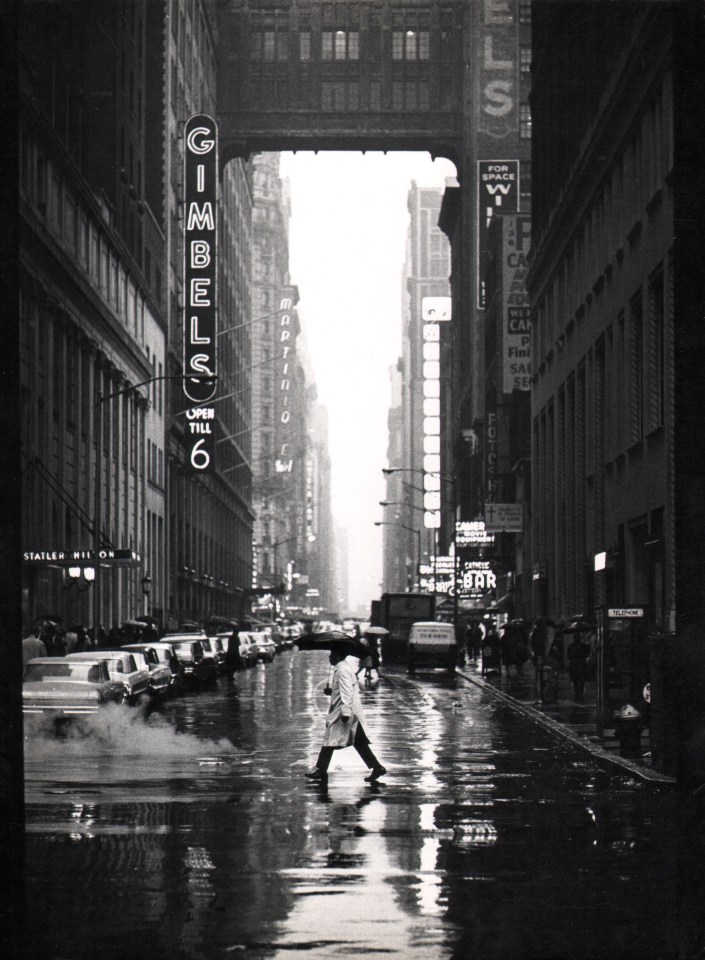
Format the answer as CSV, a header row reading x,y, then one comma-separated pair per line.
x,y
106,90
601,284
320,556
93,311
496,181
415,493
280,396
616,286
210,512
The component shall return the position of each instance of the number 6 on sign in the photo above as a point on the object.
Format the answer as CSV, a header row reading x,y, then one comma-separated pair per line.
x,y
200,458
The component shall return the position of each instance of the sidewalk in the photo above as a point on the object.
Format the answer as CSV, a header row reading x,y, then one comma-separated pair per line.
x,y
566,718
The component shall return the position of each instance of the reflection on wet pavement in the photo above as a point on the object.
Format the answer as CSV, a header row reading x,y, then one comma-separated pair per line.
x,y
191,833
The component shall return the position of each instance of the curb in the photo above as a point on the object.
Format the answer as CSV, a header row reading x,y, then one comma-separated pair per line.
x,y
606,759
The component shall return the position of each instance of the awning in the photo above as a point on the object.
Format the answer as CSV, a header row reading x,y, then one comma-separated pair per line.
x,y
498,603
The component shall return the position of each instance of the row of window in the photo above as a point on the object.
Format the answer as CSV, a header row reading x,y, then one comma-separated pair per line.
x,y
627,194
215,559
270,45
624,377
90,248
351,95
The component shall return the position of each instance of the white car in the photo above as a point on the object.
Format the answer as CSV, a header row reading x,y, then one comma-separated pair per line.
x,y
266,647
122,667
167,657
147,658
53,687
248,648
199,669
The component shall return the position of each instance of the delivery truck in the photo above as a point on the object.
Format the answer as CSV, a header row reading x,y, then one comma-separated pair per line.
x,y
396,612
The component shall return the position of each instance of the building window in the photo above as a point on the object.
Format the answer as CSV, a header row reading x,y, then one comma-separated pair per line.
x,y
411,45
636,369
524,11
525,59
305,45
339,96
375,95
340,45
524,121
657,356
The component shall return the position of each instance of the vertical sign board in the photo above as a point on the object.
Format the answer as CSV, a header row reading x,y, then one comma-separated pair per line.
x,y
287,335
516,326
200,266
497,192
431,425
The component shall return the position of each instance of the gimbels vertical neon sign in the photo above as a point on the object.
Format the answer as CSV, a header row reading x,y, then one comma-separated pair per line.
x,y
200,266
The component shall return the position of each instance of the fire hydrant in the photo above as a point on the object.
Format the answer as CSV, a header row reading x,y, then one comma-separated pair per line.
x,y
628,724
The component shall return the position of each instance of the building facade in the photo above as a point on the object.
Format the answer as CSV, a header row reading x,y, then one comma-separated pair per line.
x,y
93,317
105,91
601,284
421,416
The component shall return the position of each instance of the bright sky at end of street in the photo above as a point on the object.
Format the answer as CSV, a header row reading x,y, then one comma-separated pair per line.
x,y
348,231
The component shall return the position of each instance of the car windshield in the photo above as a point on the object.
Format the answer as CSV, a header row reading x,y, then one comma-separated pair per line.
x,y
186,649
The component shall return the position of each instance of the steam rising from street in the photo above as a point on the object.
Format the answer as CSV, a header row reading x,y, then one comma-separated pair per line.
x,y
122,732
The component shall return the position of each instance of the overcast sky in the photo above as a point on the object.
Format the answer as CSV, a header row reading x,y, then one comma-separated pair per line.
x,y
347,244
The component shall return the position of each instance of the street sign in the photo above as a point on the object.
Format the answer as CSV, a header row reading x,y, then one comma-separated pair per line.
x,y
508,517
68,558
621,613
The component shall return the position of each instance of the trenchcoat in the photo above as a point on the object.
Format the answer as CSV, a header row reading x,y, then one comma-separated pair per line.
x,y
344,701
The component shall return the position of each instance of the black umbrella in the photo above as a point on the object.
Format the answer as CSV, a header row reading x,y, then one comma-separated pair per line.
x,y
577,625
330,640
51,618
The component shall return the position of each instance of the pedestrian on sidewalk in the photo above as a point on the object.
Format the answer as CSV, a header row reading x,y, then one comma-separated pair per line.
x,y
578,654
473,639
32,647
344,722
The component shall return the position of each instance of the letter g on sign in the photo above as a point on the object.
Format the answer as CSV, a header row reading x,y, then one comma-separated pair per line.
x,y
199,146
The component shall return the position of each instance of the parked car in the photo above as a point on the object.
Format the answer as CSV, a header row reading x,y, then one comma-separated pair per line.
x,y
159,673
213,648
61,688
121,667
290,633
273,631
248,648
266,648
199,670
167,656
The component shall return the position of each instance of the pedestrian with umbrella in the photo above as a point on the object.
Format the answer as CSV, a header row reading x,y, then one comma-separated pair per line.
x,y
344,726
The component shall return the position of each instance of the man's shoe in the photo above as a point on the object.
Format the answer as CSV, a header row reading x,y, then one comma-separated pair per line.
x,y
377,772
316,774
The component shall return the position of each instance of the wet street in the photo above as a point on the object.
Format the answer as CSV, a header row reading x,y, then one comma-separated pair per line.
x,y
192,832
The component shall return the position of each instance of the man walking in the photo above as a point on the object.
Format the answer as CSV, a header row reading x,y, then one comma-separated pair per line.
x,y
344,722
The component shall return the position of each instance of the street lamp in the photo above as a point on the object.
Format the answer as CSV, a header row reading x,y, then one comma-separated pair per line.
x,y
391,523
388,471
400,503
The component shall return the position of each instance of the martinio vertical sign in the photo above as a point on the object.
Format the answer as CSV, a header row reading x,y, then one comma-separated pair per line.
x,y
200,265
